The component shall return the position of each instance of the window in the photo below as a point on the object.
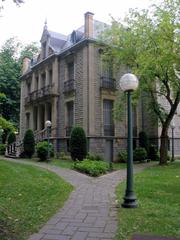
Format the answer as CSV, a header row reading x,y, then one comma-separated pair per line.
x,y
43,80
37,83
70,117
44,50
107,76
70,71
50,77
108,117
28,88
27,120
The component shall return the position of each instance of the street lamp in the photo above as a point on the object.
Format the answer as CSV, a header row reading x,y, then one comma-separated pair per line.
x,y
172,128
128,83
48,127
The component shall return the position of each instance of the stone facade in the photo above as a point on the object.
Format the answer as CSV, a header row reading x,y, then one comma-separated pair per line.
x,y
67,85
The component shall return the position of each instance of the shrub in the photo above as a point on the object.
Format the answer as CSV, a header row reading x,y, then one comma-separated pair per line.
x,y
2,149
63,156
143,141
94,157
11,137
92,168
42,150
78,144
139,154
29,143
122,156
153,153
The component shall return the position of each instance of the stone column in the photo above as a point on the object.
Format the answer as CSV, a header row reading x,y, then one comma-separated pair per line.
x,y
47,77
33,85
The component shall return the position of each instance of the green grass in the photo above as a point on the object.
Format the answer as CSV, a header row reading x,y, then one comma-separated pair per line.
x,y
63,163
29,196
158,213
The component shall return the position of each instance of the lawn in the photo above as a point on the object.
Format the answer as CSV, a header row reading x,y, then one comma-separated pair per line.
x,y
29,196
158,193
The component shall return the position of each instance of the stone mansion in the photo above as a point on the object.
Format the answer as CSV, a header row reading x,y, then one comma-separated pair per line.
x,y
69,85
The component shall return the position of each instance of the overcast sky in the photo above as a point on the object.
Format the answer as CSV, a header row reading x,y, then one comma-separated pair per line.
x,y
27,21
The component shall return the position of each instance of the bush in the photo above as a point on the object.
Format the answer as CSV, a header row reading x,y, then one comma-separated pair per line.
x,y
153,153
11,137
143,141
63,156
2,149
78,144
122,156
92,168
94,157
42,150
29,143
139,154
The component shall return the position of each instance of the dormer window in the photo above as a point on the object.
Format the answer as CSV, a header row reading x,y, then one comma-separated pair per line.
x,y
73,37
44,50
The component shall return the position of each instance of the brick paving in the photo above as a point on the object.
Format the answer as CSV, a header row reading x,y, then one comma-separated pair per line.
x,y
90,212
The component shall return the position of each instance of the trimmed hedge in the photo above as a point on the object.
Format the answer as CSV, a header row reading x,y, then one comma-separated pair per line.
x,y
91,167
42,150
78,144
29,143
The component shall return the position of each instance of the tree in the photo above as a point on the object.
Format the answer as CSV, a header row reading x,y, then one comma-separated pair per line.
x,y
29,143
78,144
147,42
11,55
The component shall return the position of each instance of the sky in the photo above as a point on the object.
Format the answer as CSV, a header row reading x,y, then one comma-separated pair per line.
x,y
27,21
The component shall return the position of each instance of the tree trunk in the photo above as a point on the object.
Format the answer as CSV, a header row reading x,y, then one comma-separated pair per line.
x,y
164,146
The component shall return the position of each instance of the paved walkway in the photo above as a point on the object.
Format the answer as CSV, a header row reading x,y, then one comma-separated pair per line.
x,y
90,213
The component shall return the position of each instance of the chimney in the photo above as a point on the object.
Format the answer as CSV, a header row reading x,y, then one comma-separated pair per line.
x,y
26,65
88,28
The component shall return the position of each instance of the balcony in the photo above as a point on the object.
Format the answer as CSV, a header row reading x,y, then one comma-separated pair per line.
x,y
109,130
108,83
41,93
69,86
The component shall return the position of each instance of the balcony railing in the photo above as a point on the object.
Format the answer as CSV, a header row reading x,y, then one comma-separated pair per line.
x,y
43,92
109,130
108,83
69,86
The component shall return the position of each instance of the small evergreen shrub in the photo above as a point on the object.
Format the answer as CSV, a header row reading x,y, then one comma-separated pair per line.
x,y
143,141
122,156
153,153
2,149
78,144
94,157
29,143
139,154
11,137
42,150
92,168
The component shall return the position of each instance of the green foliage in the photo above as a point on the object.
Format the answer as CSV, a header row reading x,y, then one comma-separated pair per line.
x,y
153,153
158,211
63,156
139,154
147,43
94,157
29,143
2,149
11,54
122,156
78,144
11,137
92,167
42,150
30,196
143,141
7,126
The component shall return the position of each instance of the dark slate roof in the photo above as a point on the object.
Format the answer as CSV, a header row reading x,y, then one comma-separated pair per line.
x,y
59,42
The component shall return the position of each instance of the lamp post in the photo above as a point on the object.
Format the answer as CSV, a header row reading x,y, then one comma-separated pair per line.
x,y
128,83
172,128
48,126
